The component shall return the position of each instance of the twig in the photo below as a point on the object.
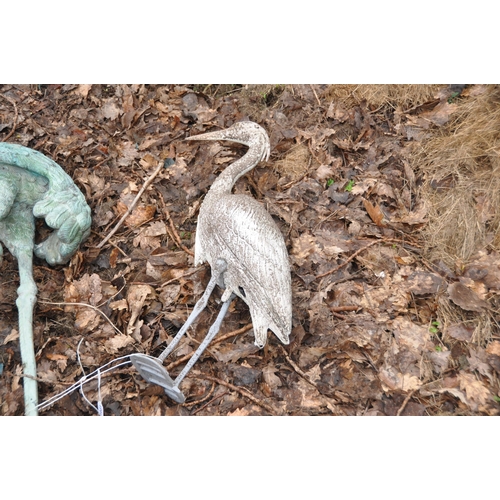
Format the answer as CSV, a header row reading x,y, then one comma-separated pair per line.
x,y
353,256
11,133
131,207
329,402
357,252
315,95
337,310
81,304
177,278
234,333
203,399
337,315
240,390
187,357
175,236
173,232
405,402
210,402
344,308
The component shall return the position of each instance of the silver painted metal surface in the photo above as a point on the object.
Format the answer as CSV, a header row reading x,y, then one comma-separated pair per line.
x,y
238,229
247,255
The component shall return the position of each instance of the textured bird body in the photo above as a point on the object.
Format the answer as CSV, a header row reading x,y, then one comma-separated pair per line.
x,y
237,229
247,255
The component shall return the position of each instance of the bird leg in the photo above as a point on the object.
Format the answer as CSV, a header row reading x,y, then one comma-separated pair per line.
x,y
152,370
219,269
214,329
26,299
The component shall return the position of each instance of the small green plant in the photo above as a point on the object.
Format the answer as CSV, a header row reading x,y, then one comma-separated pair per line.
x,y
434,327
329,182
496,398
349,186
453,97
438,348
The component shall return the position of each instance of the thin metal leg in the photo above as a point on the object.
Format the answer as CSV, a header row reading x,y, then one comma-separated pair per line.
x,y
214,329
152,369
220,268
25,303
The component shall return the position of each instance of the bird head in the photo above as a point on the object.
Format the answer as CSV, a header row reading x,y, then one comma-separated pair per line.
x,y
248,133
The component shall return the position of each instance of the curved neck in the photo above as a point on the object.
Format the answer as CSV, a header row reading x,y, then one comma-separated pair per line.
x,y
226,180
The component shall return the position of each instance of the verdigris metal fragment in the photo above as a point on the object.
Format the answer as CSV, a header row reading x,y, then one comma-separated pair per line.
x,y
32,185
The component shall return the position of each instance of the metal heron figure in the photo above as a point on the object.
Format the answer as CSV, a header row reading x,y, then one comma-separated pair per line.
x,y
32,185
246,252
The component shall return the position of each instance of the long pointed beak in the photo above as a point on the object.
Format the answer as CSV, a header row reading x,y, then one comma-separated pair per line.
x,y
218,135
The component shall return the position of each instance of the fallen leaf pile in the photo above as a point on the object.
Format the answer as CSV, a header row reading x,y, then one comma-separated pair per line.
x,y
366,338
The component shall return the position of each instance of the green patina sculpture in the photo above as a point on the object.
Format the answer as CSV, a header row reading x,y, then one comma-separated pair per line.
x,y
32,185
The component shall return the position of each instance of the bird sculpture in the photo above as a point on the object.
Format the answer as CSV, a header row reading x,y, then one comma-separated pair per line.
x,y
247,255
32,185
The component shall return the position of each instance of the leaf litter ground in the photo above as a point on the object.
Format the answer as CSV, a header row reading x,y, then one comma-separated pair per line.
x,y
369,333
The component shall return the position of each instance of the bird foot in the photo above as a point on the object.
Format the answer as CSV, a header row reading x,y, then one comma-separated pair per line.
x,y
154,372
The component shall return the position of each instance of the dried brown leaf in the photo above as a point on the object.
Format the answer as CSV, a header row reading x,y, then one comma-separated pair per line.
x,y
363,186
230,353
478,360
114,344
13,335
139,215
239,412
421,283
109,109
127,153
87,289
460,332
440,114
465,298
83,89
270,377
411,336
136,298
375,213
416,216
119,305
485,269
303,247
393,380
494,348
476,392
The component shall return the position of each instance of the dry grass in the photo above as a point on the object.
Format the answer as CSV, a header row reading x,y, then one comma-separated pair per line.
x,y
405,96
295,162
450,314
461,168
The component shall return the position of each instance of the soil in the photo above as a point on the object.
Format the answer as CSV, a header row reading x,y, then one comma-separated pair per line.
x,y
368,336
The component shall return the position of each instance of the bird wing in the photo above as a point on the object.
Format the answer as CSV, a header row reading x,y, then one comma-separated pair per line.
x,y
238,229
